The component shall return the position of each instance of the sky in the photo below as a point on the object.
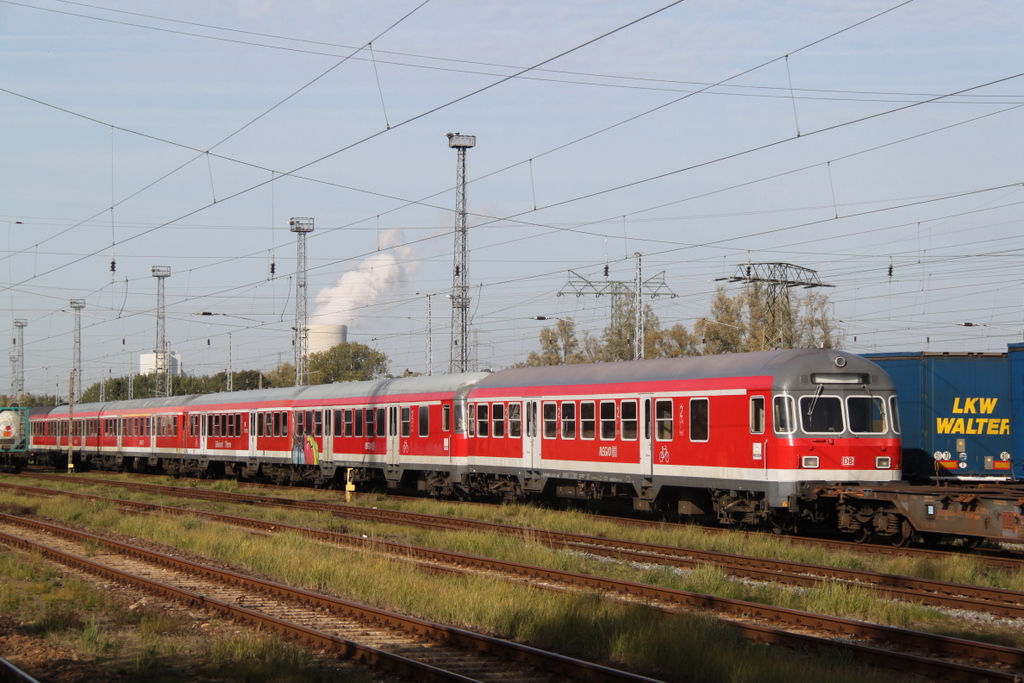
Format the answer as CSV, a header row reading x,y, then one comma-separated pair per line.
x,y
877,143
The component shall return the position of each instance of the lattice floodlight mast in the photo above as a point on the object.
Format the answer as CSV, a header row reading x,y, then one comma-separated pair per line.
x,y
460,282
18,359
301,227
162,379
636,288
76,360
778,279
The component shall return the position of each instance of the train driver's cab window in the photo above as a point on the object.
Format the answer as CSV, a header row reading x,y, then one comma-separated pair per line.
x,y
757,414
866,413
607,420
550,420
699,427
821,414
783,412
663,418
629,420
588,420
894,414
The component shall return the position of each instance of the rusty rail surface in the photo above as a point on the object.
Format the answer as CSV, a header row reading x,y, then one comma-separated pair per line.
x,y
994,601
938,644
402,666
999,602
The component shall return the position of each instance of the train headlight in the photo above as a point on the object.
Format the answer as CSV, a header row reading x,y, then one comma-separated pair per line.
x,y
883,462
809,462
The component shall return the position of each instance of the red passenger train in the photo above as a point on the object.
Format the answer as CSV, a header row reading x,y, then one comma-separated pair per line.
x,y
745,438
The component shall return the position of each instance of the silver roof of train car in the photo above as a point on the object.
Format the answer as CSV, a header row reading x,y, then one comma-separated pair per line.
x,y
789,368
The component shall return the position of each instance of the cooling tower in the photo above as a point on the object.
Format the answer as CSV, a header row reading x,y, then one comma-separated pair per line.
x,y
323,337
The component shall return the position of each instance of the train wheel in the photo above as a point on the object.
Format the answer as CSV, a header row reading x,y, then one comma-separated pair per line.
x,y
861,535
902,538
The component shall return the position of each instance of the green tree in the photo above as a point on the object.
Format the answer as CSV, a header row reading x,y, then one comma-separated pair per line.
x,y
346,362
558,345
724,330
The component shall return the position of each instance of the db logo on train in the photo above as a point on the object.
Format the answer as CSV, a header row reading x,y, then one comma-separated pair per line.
x,y
847,461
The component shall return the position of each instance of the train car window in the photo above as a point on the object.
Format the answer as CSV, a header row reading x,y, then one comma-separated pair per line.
x,y
327,423
757,414
370,427
894,414
821,414
318,422
276,417
498,420
406,421
284,422
470,424
423,421
358,414
607,420
515,420
349,422
588,420
782,412
482,419
629,422
174,426
866,414
550,419
569,420
663,417
699,419
193,425
381,428
216,426
446,418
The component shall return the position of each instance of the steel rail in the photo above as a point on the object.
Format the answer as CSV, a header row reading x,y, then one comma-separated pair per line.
x,y
9,673
995,601
547,661
941,644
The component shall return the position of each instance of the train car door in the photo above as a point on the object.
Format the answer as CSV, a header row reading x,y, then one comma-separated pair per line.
x,y
647,415
531,442
256,423
394,442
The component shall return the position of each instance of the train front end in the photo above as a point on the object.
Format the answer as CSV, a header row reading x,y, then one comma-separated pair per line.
x,y
837,422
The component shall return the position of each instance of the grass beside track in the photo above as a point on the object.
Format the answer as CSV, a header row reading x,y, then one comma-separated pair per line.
x,y
134,642
586,626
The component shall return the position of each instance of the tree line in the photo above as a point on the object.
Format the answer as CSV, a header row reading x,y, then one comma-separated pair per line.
x,y
735,323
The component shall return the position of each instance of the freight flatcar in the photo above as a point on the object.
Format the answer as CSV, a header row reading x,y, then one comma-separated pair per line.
x,y
957,414
736,438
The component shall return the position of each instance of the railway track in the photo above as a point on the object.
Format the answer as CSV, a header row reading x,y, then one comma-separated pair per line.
x,y
756,621
994,601
405,646
993,557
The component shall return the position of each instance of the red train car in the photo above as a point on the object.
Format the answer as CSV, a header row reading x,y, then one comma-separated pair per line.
x,y
737,437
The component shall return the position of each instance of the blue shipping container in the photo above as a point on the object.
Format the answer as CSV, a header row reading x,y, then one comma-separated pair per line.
x,y
956,413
